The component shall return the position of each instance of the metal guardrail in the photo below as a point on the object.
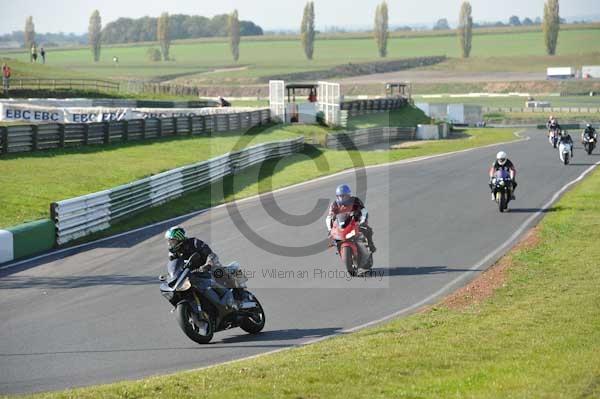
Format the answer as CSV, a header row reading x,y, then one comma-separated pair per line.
x,y
26,138
365,137
77,217
360,107
53,84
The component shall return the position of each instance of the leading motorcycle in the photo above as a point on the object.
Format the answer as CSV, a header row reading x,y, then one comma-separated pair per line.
x,y
502,187
564,152
206,302
351,244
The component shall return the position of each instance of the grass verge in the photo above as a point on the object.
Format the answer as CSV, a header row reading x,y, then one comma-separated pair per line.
x,y
31,181
537,336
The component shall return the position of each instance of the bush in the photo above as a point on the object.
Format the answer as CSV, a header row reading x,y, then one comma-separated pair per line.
x,y
321,118
153,54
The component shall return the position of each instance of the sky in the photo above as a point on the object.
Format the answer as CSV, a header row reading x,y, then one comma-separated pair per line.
x,y
73,15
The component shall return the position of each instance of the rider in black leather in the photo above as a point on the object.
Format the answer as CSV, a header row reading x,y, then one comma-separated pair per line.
x,y
202,258
502,162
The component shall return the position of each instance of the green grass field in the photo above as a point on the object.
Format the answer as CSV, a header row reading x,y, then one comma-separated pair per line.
x,y
271,57
537,336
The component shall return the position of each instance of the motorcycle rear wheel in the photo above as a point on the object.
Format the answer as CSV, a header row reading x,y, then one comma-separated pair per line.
x,y
252,326
187,320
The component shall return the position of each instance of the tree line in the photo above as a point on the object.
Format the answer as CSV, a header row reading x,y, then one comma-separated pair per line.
x,y
168,27
128,30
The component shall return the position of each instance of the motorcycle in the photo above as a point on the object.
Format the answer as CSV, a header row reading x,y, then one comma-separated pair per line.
x,y
502,187
589,143
351,244
211,303
553,135
564,152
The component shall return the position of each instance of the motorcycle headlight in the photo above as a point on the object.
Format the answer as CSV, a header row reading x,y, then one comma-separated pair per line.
x,y
186,285
351,234
501,182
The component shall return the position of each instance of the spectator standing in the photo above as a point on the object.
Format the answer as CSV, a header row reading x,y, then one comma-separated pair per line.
x,y
33,53
43,54
5,77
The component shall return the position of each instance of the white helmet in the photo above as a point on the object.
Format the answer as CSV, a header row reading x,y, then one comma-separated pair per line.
x,y
501,157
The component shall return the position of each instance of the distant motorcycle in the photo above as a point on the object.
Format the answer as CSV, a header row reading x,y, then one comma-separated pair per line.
x,y
589,143
564,152
213,304
351,244
502,187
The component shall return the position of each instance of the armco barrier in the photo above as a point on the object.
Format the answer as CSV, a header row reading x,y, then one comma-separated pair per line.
x,y
26,138
83,215
26,239
365,137
361,107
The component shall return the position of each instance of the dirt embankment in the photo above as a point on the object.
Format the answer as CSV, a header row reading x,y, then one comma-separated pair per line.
x,y
366,68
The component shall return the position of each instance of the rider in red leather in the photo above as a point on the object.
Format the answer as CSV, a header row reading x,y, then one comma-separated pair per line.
x,y
345,202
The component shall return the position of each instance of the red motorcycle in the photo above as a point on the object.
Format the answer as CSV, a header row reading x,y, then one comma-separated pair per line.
x,y
351,244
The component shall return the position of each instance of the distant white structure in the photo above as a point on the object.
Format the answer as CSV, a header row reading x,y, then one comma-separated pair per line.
x,y
560,73
454,113
590,72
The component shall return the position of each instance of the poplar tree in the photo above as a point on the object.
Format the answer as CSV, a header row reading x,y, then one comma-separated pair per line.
x,y
465,29
551,25
234,35
29,33
307,29
381,28
94,34
162,33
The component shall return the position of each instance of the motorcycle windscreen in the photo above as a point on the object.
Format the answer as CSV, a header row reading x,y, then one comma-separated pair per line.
x,y
174,268
502,174
342,219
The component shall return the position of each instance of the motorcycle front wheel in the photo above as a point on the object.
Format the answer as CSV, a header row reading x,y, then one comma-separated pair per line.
x,y
347,257
198,328
502,202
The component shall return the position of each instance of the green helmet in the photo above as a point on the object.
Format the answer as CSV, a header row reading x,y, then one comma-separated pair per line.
x,y
175,236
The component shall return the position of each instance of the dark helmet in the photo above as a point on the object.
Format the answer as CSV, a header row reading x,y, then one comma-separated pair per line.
x,y
343,195
175,236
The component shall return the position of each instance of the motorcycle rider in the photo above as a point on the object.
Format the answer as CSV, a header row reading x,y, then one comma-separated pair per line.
x,y
345,202
552,125
502,162
565,138
202,258
589,133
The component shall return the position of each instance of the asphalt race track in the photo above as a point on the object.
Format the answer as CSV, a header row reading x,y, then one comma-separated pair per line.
x,y
94,314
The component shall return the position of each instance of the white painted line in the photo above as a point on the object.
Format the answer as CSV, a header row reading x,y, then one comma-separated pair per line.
x,y
319,179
